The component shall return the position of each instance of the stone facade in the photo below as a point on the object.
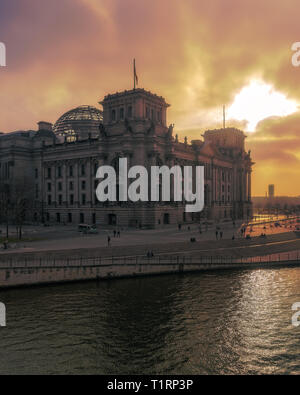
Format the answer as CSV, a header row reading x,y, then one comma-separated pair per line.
x,y
61,168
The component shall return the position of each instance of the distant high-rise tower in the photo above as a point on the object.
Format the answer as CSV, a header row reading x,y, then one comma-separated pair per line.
x,y
271,190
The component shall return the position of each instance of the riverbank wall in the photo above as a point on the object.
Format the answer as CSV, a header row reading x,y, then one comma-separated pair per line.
x,y
40,271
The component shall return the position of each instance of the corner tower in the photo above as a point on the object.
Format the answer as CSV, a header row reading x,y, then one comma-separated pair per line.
x,y
135,105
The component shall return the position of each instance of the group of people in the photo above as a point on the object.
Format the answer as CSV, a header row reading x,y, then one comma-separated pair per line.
x,y
116,233
243,231
219,234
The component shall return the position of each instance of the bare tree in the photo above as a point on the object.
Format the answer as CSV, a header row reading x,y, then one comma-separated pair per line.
x,y
16,202
5,204
21,202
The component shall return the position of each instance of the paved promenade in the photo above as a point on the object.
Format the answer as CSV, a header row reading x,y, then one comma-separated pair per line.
x,y
61,258
139,242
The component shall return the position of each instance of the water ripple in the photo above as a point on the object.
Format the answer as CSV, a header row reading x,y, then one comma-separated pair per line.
x,y
231,322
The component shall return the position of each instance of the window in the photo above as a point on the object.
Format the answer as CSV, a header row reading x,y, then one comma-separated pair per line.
x,y
71,171
71,185
95,184
6,170
81,218
58,217
129,112
83,198
113,115
49,172
69,217
36,173
60,186
60,200
71,199
83,185
49,186
95,169
159,115
122,113
94,218
47,217
152,115
59,171
83,170
49,199
147,112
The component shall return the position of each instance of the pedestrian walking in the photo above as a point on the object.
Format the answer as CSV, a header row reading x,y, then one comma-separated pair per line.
x,y
108,241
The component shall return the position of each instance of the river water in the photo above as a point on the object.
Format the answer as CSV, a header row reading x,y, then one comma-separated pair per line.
x,y
223,322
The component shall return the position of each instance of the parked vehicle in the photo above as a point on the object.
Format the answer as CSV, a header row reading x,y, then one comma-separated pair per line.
x,y
87,229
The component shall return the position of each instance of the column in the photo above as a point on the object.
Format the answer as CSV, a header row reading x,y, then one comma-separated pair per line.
x,y
249,186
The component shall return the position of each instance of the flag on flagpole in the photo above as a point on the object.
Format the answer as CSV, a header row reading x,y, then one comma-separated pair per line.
x,y
135,77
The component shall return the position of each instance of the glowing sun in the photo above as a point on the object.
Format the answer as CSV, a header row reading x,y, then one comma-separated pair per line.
x,y
258,101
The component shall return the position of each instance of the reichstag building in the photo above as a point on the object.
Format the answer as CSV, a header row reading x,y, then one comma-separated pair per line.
x,y
60,162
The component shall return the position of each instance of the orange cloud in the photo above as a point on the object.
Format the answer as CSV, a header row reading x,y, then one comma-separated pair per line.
x,y
276,151
198,55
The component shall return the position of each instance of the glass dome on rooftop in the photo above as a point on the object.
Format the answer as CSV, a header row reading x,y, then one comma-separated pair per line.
x,y
80,121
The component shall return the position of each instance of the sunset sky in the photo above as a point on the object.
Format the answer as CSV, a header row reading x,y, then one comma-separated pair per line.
x,y
198,54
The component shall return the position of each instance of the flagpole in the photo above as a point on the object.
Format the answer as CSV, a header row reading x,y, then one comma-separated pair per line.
x,y
134,74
